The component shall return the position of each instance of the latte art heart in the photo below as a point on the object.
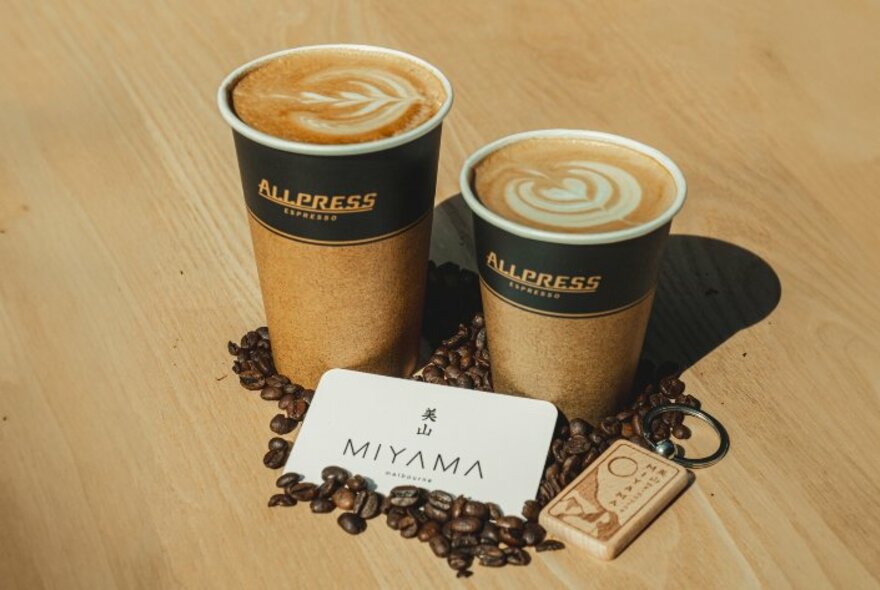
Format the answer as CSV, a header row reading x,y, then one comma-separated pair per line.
x,y
580,194
572,185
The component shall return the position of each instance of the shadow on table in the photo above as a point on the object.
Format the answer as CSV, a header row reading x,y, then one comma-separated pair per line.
x,y
708,289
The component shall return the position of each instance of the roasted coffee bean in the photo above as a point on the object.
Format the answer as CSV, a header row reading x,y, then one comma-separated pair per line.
x,y
440,499
681,432
533,533
462,541
232,347
464,381
409,527
577,445
457,506
281,500
466,524
509,523
459,559
370,506
405,496
343,498
356,483
436,513
428,530
495,511
492,558
452,373
531,510
549,545
252,380
351,523
322,505
432,372
395,515
491,533
271,393
476,509
303,491
439,361
439,545
277,444
286,403
328,488
517,556
512,537
335,473
275,458
287,479
281,424
298,409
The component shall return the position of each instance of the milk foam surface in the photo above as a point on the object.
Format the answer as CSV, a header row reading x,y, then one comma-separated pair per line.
x,y
337,96
573,185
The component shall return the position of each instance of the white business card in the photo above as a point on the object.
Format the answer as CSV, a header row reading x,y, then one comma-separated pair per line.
x,y
487,446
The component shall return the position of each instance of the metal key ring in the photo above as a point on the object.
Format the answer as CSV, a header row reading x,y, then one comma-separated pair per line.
x,y
666,447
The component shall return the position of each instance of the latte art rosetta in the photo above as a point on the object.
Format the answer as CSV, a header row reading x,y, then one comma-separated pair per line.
x,y
336,96
366,100
574,194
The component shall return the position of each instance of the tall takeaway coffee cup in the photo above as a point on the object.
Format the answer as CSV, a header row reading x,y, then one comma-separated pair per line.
x,y
337,147
569,229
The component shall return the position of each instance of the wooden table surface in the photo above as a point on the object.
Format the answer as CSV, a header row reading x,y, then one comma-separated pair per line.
x,y
130,458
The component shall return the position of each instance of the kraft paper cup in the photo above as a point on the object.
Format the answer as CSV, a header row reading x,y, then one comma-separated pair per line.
x,y
343,281
577,346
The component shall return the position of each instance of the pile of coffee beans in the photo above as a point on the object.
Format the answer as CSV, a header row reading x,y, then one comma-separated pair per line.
x,y
457,529
461,360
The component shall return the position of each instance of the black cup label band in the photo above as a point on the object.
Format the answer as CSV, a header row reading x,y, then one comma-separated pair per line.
x,y
567,280
339,200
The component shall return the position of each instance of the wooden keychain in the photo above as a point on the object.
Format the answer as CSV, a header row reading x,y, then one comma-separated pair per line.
x,y
622,491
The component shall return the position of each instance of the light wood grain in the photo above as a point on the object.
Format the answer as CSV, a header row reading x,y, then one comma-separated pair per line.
x,y
130,458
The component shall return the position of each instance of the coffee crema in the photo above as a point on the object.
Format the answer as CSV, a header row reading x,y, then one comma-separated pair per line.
x,y
573,185
338,96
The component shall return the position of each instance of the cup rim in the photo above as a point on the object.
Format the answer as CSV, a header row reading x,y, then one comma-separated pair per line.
x,y
224,102
571,238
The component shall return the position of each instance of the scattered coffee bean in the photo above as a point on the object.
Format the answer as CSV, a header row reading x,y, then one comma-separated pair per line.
x,y
343,498
275,458
328,488
356,483
351,523
335,473
439,545
287,479
370,506
303,491
517,556
429,530
459,559
277,444
395,515
533,533
281,500
281,424
409,527
549,545
475,509
466,524
322,505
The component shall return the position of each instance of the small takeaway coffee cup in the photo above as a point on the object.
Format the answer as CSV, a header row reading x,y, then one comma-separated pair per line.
x,y
340,215
568,247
